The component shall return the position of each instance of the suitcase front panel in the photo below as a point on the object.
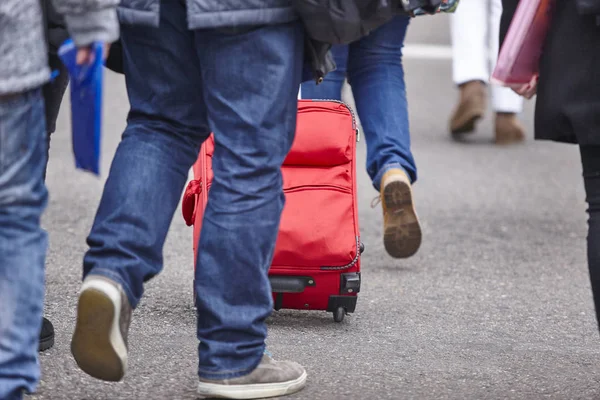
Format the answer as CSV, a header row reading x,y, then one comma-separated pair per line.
x,y
317,228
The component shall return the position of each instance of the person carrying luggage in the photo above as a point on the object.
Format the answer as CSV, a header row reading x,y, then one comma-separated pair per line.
x,y
194,68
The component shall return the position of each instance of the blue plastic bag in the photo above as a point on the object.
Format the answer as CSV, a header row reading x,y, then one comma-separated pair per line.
x,y
86,105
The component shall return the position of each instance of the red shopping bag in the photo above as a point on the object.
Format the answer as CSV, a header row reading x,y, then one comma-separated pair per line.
x,y
519,57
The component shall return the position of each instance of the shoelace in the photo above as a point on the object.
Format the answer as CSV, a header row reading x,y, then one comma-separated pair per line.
x,y
375,202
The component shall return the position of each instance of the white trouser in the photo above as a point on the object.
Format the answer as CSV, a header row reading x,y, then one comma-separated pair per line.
x,y
475,40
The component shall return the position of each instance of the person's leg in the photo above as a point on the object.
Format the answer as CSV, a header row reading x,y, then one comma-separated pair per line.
x,y
23,242
469,33
590,159
331,87
253,117
470,66
165,127
53,94
505,103
376,75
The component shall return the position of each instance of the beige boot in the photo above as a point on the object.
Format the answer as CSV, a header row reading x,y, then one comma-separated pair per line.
x,y
509,129
471,107
401,229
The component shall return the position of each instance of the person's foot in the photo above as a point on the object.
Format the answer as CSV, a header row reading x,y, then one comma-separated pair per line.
x,y
46,335
509,129
401,229
99,343
471,107
270,379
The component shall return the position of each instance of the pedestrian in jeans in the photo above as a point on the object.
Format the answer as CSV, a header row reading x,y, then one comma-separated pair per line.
x,y
373,66
23,153
192,68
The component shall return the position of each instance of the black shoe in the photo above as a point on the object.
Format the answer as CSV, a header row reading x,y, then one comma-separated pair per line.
x,y
46,335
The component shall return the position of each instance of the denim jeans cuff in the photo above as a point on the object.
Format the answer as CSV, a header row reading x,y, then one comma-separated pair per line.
x,y
230,374
115,276
384,169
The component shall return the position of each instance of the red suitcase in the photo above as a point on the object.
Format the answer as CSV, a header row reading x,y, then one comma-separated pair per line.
x,y
316,265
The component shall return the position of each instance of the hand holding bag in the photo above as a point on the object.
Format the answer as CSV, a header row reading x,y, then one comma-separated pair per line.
x,y
518,62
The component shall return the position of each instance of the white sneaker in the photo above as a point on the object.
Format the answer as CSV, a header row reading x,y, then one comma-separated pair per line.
x,y
99,343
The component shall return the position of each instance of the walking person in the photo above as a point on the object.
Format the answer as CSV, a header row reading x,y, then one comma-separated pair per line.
x,y
567,105
193,68
373,67
56,34
23,154
474,31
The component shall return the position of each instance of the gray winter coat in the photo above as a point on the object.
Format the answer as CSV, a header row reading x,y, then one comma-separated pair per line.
x,y
204,14
23,52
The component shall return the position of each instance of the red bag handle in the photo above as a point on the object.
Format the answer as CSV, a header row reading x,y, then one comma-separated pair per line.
x,y
188,206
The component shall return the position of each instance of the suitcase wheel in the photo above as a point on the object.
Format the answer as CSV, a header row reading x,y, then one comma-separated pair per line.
x,y
338,314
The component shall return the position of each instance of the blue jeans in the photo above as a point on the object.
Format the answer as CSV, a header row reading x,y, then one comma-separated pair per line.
x,y
23,242
241,84
373,66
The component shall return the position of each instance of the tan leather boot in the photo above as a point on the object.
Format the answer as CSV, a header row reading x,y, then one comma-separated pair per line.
x,y
509,129
401,229
471,107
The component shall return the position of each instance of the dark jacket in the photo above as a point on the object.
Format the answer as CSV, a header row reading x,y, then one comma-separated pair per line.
x,y
586,7
55,27
568,97
53,91
346,21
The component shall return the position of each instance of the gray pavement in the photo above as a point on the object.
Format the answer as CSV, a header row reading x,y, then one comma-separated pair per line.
x,y
496,305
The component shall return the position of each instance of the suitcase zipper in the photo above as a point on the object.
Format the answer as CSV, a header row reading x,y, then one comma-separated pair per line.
x,y
357,256
349,109
335,188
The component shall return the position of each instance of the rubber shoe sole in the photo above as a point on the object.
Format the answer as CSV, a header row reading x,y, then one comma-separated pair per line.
x,y
251,391
97,344
402,234
46,343
46,336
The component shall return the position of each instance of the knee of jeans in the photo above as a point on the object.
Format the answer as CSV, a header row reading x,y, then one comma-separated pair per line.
x,y
242,191
168,137
22,188
368,54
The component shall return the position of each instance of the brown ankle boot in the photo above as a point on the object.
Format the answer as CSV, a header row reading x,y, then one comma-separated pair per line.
x,y
401,228
509,129
471,107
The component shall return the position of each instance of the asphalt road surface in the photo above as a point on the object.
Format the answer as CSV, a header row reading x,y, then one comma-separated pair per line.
x,y
496,304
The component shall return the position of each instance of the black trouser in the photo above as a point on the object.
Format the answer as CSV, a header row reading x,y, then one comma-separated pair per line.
x,y
53,95
590,159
